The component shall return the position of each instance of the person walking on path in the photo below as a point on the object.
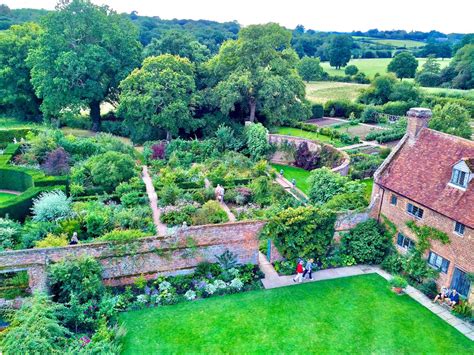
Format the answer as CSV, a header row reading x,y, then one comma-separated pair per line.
x,y
299,272
308,269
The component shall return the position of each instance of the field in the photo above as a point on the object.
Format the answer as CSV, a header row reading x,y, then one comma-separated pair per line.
x,y
353,315
372,66
292,172
396,43
322,91
296,132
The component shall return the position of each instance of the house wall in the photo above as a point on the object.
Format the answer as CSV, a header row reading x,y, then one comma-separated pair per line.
x,y
460,250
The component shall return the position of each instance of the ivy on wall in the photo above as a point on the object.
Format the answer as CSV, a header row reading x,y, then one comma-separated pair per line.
x,y
425,234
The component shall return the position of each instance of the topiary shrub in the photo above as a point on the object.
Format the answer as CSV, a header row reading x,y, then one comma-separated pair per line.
x,y
368,242
317,111
51,207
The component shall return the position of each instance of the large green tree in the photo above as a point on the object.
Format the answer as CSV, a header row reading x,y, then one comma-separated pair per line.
x,y
179,43
403,65
17,95
83,54
339,50
160,94
310,69
452,119
257,74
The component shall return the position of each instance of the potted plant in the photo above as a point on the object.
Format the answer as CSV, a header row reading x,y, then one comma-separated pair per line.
x,y
398,284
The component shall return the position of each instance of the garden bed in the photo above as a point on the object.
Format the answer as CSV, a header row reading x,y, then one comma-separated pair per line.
x,y
298,317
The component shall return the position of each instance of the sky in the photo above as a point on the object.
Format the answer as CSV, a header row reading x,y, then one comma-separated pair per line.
x,y
328,15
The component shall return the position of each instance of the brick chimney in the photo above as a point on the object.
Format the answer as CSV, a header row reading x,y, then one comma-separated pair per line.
x,y
418,118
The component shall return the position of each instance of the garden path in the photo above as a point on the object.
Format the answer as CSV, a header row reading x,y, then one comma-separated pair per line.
x,y
230,215
161,228
288,186
273,280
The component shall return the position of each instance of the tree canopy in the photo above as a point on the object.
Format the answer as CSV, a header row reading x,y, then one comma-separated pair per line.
x,y
452,119
83,54
339,50
160,94
403,65
257,74
179,43
310,69
17,95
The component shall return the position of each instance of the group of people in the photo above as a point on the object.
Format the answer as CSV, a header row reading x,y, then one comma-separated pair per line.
x,y
448,296
302,271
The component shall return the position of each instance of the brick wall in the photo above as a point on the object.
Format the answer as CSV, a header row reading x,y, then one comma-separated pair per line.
x,y
175,254
460,250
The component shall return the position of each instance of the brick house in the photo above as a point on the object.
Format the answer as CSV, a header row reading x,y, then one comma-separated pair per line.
x,y
429,178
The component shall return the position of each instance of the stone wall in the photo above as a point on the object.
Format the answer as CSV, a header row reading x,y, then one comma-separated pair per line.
x,y
314,146
171,255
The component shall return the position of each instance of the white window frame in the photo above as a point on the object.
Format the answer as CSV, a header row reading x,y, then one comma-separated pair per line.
x,y
462,226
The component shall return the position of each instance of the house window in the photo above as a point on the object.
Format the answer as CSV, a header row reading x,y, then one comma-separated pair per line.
x,y
459,178
405,242
438,262
415,211
393,200
459,228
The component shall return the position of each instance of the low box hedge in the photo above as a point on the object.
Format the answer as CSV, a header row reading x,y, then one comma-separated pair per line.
x,y
8,135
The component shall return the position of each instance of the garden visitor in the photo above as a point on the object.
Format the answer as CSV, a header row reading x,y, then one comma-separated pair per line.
x,y
444,293
219,192
74,239
293,182
299,272
308,269
453,298
281,172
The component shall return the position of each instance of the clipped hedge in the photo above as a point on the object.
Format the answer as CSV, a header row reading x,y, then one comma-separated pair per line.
x,y
342,108
317,111
15,179
7,135
8,153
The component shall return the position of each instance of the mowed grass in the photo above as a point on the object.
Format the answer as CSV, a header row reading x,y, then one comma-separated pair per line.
x,y
322,91
372,66
353,315
296,132
398,43
292,172
5,197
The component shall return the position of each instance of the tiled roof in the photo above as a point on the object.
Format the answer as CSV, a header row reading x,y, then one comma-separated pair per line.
x,y
470,163
421,171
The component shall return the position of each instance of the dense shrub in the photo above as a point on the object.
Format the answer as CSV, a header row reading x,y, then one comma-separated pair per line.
x,y
306,159
324,185
103,172
351,70
56,162
177,215
317,111
211,212
397,108
51,207
10,232
301,232
52,241
35,328
257,141
364,165
368,242
369,115
158,151
122,236
186,152
342,108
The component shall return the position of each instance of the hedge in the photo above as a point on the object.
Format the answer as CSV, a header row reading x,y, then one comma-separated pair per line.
x,y
342,108
15,179
18,207
7,135
432,101
317,111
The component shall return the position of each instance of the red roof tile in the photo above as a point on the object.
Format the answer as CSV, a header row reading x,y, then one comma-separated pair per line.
x,y
422,170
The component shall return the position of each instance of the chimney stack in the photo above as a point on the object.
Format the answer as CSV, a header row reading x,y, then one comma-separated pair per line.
x,y
418,119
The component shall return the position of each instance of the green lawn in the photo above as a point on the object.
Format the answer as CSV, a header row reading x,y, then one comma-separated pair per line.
x,y
4,196
296,132
354,315
292,172
369,183
405,43
372,66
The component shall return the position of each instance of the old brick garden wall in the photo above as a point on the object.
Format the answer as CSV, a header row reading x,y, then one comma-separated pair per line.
x,y
171,255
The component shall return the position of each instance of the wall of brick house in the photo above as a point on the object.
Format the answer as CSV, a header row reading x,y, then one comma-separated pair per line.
x,y
460,250
151,256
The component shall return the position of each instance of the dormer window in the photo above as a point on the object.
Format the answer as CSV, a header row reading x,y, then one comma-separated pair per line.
x,y
459,178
